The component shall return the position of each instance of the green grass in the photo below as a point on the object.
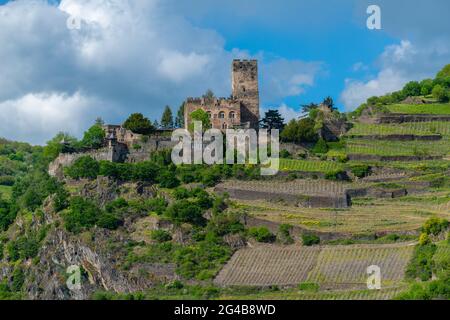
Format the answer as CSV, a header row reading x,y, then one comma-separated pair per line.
x,y
417,128
5,192
398,148
309,165
437,108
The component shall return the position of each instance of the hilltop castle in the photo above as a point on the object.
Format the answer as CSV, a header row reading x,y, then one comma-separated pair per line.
x,y
241,110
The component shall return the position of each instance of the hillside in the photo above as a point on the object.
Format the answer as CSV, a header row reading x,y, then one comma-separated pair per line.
x,y
354,190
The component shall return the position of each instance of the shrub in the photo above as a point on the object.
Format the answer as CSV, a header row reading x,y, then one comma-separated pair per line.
x,y
185,211
261,234
310,239
83,167
309,286
360,171
335,175
435,226
161,236
109,221
299,131
285,154
421,264
82,214
18,278
168,180
424,239
284,234
321,147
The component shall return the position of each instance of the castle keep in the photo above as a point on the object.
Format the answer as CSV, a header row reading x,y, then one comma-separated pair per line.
x,y
241,110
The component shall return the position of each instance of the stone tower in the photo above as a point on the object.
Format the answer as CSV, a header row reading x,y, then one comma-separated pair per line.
x,y
245,89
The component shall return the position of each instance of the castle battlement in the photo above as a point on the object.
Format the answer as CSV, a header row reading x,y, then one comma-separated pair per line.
x,y
241,108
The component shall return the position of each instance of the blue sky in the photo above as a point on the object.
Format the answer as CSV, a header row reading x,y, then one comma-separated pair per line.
x,y
137,56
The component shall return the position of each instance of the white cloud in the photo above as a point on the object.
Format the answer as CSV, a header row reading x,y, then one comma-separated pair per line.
x,y
134,56
34,117
288,113
399,64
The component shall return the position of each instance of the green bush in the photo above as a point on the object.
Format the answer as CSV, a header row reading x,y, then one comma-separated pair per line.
x,y
435,226
18,278
320,147
309,286
310,239
261,234
168,180
284,234
83,167
335,175
360,171
161,236
185,211
421,264
285,154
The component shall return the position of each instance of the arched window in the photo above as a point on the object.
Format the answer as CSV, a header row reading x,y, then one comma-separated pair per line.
x,y
224,125
221,115
232,115
209,113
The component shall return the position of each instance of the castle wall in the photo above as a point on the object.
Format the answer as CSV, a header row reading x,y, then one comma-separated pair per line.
x,y
231,110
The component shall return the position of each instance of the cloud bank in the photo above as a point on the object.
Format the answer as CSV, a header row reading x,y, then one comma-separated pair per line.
x,y
126,56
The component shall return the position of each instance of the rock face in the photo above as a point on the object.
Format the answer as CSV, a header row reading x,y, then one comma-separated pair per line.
x,y
47,279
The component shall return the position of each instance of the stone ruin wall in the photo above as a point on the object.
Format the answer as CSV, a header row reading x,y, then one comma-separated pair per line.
x,y
230,108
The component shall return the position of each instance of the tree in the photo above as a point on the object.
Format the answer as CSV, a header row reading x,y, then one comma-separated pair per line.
x,y
439,93
84,167
93,137
209,95
321,147
412,89
54,147
167,118
306,108
99,121
272,120
179,119
426,86
202,116
139,124
328,101
299,131
445,72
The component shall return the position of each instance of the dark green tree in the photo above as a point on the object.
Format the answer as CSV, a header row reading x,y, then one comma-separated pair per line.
x,y
412,89
179,119
272,120
139,124
328,101
93,137
167,118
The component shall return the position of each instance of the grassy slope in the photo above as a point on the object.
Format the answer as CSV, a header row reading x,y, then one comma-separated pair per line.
x,y
438,108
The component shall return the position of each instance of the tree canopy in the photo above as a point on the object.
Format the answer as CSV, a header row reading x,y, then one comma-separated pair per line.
x,y
272,120
167,118
139,124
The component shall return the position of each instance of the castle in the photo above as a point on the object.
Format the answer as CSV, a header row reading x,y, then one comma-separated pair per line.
x,y
241,110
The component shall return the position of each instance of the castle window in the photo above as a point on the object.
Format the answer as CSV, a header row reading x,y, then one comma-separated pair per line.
x,y
209,114
232,115
221,115
224,125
